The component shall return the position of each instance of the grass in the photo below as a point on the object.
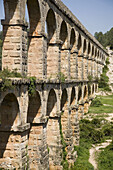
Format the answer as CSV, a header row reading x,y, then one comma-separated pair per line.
x,y
105,158
107,108
95,131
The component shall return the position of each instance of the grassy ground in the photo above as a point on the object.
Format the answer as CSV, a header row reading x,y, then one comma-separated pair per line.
x,y
96,129
106,107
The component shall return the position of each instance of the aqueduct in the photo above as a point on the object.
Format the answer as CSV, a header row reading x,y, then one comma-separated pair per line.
x,y
61,54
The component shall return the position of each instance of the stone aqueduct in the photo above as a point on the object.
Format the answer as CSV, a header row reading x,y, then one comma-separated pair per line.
x,y
30,126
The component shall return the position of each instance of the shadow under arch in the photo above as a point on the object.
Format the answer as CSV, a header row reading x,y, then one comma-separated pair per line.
x,y
72,54
9,114
34,108
64,112
79,45
73,97
36,129
79,93
63,34
52,47
85,93
53,131
52,103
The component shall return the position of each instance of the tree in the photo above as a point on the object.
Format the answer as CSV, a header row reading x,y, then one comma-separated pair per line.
x,y
105,39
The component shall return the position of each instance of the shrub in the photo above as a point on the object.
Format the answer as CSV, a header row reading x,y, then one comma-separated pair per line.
x,y
96,103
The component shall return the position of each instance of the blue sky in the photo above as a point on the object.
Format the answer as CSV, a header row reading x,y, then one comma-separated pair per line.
x,y
95,15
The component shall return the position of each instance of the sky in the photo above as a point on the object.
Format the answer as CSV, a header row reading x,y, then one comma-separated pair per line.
x,y
95,15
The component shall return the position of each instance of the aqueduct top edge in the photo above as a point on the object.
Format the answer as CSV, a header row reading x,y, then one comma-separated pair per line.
x,y
70,15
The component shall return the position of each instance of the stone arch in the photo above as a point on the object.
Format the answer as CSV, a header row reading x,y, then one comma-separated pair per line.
x,y
64,99
98,54
86,103
73,96
34,114
79,44
63,49
34,108
52,48
92,51
89,48
63,34
52,103
53,131
34,17
93,89
10,119
35,40
51,26
95,52
72,39
89,89
64,110
85,46
85,92
72,55
79,93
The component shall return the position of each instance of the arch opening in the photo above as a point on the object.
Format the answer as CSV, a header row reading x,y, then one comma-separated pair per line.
x,y
53,129
34,108
79,44
51,103
84,48
51,26
72,39
63,34
85,92
89,48
79,94
72,102
10,118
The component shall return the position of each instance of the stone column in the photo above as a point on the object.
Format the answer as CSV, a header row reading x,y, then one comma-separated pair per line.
x,y
75,124
53,60
14,54
65,63
80,67
85,67
14,153
37,146
37,56
73,65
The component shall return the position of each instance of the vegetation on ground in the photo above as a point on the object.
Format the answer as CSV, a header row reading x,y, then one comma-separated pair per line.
x,y
104,79
105,158
95,131
102,104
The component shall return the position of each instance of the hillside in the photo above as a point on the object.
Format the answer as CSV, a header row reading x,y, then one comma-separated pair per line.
x,y
105,39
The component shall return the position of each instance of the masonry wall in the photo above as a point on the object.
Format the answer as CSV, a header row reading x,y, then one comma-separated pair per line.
x,y
61,54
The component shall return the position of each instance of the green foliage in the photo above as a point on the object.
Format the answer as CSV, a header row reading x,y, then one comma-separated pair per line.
x,y
6,82
61,77
90,78
96,102
105,39
106,107
64,162
104,79
105,159
32,86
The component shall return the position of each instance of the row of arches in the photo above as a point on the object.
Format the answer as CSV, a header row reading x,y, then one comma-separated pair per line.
x,y
55,44
10,117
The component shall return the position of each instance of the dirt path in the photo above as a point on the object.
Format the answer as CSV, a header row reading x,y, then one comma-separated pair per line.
x,y
94,150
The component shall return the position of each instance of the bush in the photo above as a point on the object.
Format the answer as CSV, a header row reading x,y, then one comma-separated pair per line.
x,y
96,103
105,159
